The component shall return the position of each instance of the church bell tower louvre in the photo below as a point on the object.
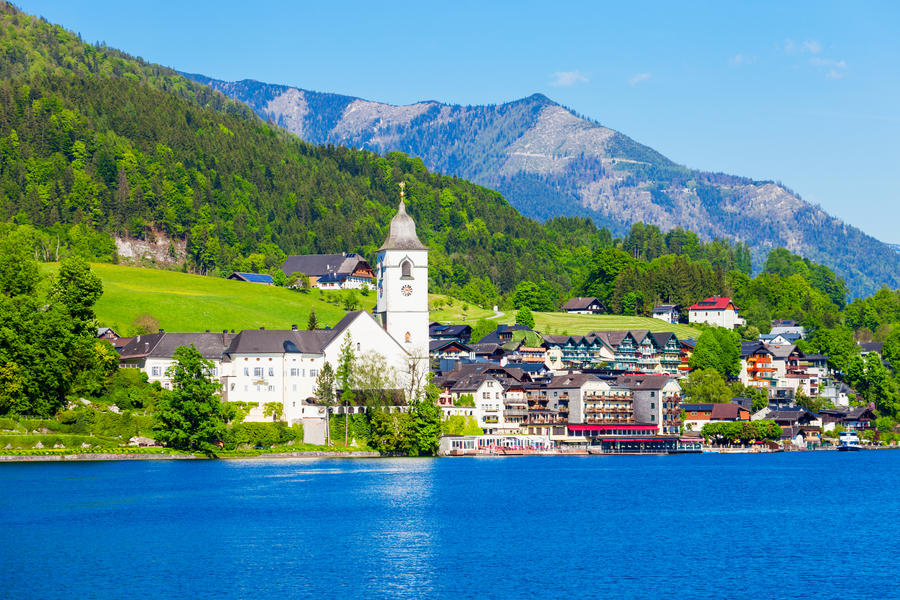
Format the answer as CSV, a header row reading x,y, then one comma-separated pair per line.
x,y
401,267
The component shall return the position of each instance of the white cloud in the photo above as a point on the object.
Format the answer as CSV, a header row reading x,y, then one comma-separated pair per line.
x,y
812,47
568,78
640,77
834,69
742,59
805,47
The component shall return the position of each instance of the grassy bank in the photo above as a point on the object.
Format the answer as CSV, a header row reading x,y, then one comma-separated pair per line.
x,y
185,302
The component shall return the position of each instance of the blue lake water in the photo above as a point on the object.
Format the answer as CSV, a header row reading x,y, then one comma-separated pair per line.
x,y
790,525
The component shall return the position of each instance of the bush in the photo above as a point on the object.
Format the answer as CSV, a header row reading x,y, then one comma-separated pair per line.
x,y
261,434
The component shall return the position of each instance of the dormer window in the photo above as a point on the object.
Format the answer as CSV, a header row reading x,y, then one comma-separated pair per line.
x,y
406,270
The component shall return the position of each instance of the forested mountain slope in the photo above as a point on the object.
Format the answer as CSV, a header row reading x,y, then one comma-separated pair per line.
x,y
93,139
548,161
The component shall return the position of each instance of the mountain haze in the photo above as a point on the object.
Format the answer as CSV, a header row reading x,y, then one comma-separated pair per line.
x,y
549,161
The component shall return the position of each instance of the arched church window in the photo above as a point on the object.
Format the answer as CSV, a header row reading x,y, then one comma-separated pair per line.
x,y
408,337
406,270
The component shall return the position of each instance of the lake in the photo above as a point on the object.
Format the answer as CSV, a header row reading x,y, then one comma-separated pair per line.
x,y
697,526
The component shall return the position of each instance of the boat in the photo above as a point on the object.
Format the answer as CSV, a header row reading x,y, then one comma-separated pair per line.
x,y
849,441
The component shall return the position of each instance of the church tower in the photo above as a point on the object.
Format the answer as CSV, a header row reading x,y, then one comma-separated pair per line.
x,y
401,266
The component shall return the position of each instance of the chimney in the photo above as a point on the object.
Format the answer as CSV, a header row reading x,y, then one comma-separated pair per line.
x,y
293,327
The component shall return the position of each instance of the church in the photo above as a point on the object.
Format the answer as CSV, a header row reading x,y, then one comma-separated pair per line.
x,y
281,366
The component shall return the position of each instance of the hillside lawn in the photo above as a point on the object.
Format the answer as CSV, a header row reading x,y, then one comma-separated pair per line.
x,y
185,302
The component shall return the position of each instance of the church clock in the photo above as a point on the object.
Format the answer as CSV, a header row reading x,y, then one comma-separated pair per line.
x,y
406,290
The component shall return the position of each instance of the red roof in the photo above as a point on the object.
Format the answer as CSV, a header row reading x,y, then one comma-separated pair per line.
x,y
713,303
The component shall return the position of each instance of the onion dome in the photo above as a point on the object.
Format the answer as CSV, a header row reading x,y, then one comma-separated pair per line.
x,y
402,233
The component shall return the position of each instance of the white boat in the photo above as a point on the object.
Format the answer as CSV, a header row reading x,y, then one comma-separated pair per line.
x,y
849,441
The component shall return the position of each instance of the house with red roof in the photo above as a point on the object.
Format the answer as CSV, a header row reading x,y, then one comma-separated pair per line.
x,y
716,311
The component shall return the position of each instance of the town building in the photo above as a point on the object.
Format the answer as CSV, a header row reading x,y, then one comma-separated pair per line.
x,y
331,271
261,278
719,312
265,367
583,306
666,312
657,400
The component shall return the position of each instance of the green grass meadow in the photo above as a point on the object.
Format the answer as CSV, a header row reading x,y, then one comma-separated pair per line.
x,y
185,302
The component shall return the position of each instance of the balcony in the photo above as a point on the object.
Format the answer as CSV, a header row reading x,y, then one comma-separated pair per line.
x,y
515,412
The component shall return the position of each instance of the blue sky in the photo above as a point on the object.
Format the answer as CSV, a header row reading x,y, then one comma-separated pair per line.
x,y
805,93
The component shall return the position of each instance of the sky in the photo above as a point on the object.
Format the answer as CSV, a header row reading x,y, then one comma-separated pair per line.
x,y
804,93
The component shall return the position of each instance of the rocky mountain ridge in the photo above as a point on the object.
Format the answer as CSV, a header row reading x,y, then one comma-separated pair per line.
x,y
549,161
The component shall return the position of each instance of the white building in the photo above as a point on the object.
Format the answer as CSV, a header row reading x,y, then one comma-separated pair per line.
x,y
719,312
402,303
281,366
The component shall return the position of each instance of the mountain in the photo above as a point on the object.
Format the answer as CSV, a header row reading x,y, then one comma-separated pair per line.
x,y
96,144
549,161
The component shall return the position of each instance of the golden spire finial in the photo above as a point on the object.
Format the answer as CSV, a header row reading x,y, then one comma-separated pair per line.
x,y
402,189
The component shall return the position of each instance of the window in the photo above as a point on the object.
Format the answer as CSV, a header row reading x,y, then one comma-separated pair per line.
x,y
294,389
406,270
271,388
271,371
156,371
295,372
485,395
257,371
653,405
408,337
246,371
313,372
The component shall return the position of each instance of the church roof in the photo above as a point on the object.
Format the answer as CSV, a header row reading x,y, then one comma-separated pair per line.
x,y
402,233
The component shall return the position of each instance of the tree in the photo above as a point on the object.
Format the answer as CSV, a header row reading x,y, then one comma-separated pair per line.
x,y
891,350
427,417
525,317
19,274
719,349
313,321
145,323
191,416
706,386
77,289
324,391
344,373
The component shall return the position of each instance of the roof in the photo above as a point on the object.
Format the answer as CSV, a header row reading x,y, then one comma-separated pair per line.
x,y
278,341
725,410
664,308
876,347
319,265
644,382
783,351
441,330
751,348
252,277
528,367
580,303
787,336
435,345
494,336
402,233
713,303
163,344
571,381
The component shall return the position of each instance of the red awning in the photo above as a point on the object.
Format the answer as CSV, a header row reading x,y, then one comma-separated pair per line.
x,y
613,427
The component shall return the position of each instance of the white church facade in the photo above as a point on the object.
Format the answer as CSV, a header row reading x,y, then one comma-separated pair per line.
x,y
281,366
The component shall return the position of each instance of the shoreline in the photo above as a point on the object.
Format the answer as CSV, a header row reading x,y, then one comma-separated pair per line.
x,y
114,456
